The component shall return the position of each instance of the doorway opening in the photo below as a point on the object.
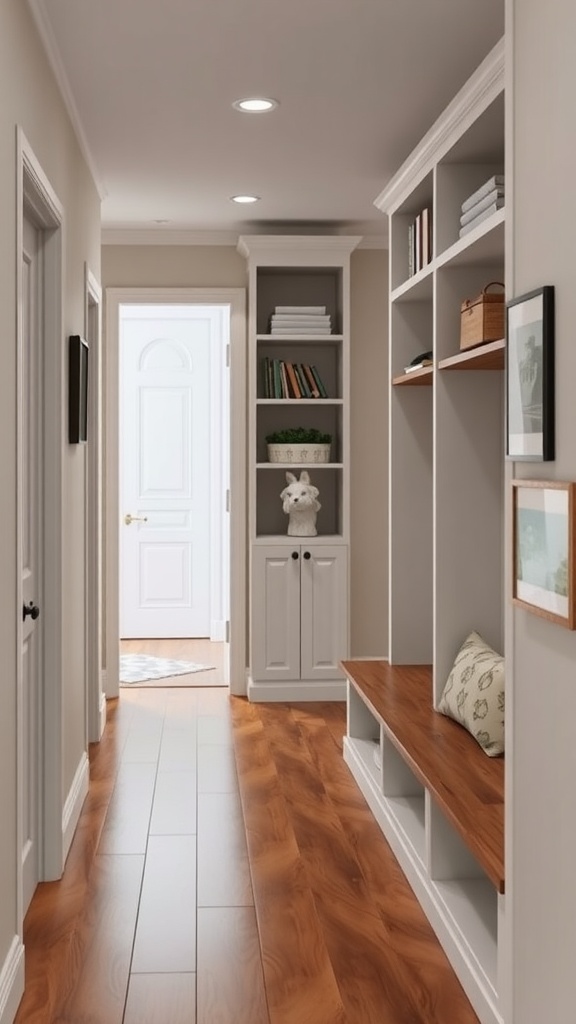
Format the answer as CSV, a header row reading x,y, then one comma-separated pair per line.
x,y
175,526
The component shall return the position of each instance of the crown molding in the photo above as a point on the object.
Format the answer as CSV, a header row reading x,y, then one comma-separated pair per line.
x,y
42,21
249,244
480,90
185,236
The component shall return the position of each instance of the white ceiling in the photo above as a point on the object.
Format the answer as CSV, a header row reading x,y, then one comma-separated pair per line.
x,y
150,86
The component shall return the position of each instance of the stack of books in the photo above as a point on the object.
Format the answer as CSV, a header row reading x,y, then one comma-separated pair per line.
x,y
300,320
482,203
420,241
291,380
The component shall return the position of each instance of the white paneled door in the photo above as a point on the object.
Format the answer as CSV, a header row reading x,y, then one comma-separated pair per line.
x,y
30,555
165,387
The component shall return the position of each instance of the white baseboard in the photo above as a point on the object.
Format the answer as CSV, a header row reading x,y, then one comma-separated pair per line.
x,y
332,689
218,630
12,981
73,805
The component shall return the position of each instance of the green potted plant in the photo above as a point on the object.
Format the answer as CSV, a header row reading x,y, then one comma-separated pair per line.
x,y
299,445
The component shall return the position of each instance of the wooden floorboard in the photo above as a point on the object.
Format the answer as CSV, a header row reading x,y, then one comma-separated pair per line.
x,y
385,958
227,870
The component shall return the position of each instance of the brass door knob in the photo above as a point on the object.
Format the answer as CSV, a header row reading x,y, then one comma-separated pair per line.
x,y
128,518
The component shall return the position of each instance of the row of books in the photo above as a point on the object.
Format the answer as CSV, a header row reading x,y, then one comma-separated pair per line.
x,y
420,241
484,202
291,380
300,320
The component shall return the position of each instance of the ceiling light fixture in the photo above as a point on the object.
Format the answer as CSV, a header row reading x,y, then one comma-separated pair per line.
x,y
255,105
244,199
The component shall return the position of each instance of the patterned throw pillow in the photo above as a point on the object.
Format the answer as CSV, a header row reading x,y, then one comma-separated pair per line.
x,y
474,693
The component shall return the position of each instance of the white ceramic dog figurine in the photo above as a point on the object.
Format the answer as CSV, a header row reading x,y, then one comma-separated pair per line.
x,y
299,501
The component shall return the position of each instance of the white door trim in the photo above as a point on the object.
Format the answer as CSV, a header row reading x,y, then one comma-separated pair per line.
x,y
34,192
235,298
95,699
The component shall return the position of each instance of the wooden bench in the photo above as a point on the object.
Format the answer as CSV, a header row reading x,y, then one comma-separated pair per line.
x,y
466,784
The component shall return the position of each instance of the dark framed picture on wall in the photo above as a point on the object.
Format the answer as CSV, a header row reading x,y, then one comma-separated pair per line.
x,y
543,546
77,389
530,376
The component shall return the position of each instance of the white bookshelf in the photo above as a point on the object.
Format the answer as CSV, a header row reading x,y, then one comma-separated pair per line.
x,y
298,586
446,469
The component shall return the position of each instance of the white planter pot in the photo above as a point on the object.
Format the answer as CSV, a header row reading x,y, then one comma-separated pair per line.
x,y
299,453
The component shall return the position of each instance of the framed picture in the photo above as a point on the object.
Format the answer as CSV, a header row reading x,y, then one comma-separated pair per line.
x,y
543,546
77,389
530,376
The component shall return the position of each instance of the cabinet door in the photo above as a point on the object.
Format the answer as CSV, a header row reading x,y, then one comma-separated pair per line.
x,y
324,611
275,613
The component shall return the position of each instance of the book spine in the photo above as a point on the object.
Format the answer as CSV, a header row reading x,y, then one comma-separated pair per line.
x,y
410,250
296,393
418,239
303,381
284,378
311,382
425,236
319,383
496,181
277,380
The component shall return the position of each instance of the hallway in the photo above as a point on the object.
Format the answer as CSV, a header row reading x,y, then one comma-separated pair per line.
x,y
117,940
156,920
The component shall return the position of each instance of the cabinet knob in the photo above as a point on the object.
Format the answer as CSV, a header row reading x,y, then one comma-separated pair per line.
x,y
294,555
307,555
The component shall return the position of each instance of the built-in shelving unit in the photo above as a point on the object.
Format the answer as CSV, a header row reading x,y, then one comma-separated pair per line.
x,y
298,586
446,470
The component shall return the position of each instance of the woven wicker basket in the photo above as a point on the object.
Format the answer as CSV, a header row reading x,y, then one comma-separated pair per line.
x,y
482,318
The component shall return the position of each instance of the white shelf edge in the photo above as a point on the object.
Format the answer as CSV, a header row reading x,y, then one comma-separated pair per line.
x,y
266,539
299,465
300,401
297,339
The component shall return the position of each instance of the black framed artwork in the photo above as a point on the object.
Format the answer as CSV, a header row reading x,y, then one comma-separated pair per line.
x,y
77,389
530,376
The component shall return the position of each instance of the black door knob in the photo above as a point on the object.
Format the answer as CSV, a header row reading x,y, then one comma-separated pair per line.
x,y
294,555
31,610
307,555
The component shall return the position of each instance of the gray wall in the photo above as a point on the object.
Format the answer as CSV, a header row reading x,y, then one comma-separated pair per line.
x,y
541,836
29,98
222,266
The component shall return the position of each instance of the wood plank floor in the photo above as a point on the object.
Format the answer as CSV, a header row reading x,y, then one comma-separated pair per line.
x,y
198,894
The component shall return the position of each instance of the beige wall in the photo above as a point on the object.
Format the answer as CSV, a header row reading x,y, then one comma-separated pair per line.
x,y
369,451
172,266
222,266
29,99
541,823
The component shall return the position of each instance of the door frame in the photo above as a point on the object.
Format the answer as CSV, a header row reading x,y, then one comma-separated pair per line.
x,y
35,194
235,299
93,493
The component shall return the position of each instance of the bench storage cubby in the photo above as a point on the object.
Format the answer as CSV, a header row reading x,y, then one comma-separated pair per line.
x,y
439,800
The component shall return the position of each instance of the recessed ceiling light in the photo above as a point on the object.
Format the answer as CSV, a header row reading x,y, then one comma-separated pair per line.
x,y
255,105
244,199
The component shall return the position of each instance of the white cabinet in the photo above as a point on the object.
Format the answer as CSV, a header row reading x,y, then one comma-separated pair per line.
x,y
298,627
300,615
